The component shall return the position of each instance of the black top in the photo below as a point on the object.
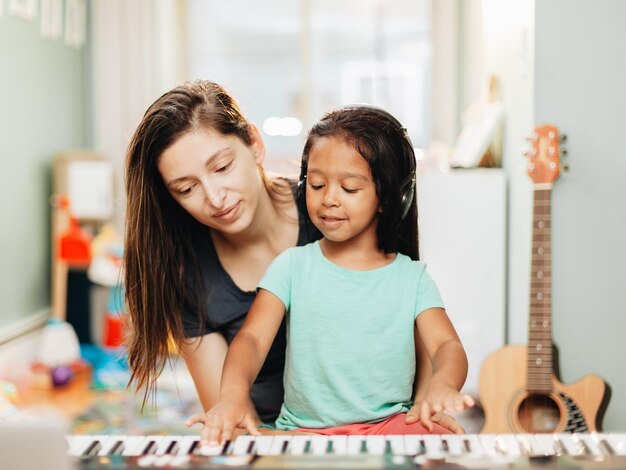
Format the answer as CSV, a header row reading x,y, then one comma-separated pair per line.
x,y
227,307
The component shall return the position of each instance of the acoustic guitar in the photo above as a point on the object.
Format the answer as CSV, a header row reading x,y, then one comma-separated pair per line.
x,y
518,386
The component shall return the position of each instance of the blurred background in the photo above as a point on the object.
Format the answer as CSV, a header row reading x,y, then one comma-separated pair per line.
x,y
470,79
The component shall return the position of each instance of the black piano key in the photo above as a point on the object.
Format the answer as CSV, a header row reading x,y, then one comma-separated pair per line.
x,y
307,447
92,449
329,447
388,450
149,449
250,449
607,447
467,445
195,448
226,448
117,448
285,446
364,446
172,448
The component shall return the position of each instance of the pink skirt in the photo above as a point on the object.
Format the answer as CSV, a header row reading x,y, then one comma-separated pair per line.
x,y
391,426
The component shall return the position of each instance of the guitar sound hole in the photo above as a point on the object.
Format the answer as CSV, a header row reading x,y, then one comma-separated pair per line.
x,y
539,414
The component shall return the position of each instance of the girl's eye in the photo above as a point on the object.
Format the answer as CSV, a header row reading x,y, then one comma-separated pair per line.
x,y
224,168
316,187
350,191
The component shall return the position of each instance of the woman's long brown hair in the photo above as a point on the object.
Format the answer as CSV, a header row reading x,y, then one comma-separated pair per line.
x,y
159,232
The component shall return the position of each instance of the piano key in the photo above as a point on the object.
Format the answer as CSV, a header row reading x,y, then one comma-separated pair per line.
x,y
547,442
211,450
168,445
412,444
570,443
262,445
132,445
396,445
489,444
94,446
355,445
375,445
187,443
434,446
591,444
530,445
454,443
298,444
508,445
78,445
113,445
473,445
340,444
617,442
319,444
243,445
279,445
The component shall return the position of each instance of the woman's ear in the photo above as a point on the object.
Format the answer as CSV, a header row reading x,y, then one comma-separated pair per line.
x,y
258,147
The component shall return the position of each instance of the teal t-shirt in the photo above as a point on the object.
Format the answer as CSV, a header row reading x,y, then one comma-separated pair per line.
x,y
350,346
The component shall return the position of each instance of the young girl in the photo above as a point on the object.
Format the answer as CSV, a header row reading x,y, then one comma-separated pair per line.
x,y
351,299
203,223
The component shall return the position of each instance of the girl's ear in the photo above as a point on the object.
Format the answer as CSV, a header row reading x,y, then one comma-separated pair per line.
x,y
258,147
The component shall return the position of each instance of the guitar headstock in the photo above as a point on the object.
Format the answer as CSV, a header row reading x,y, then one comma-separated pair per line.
x,y
544,154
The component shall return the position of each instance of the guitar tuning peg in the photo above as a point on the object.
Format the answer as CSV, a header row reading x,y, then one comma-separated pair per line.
x,y
565,167
525,151
563,152
563,138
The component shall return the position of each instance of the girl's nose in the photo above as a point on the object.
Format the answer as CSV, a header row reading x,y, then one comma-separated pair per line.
x,y
330,197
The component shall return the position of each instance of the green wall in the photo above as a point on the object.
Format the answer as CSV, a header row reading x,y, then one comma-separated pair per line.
x,y
42,113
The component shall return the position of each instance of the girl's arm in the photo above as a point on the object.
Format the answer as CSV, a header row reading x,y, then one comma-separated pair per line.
x,y
244,360
422,378
449,365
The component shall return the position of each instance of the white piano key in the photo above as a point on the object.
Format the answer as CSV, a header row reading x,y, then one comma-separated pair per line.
x,y
298,444
278,443
530,445
547,442
340,444
211,450
132,445
591,443
474,446
242,444
396,443
412,444
354,445
617,442
319,444
110,443
508,445
79,444
570,443
489,444
375,444
262,445
434,447
454,444
186,443
165,444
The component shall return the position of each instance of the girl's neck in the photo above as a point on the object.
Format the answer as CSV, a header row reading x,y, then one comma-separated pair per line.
x,y
358,255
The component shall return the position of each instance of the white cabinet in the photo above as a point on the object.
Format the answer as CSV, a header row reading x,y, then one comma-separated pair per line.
x,y
462,223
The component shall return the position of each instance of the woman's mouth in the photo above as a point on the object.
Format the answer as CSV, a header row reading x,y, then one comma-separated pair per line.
x,y
228,214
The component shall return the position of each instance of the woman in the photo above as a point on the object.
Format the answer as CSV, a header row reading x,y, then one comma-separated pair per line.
x,y
203,223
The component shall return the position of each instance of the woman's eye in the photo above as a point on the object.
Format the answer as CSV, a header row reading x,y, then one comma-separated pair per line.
x,y
223,168
185,191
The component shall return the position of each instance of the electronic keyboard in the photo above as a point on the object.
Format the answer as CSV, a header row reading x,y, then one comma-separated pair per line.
x,y
572,451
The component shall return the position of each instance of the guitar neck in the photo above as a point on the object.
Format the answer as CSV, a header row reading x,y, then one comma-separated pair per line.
x,y
540,323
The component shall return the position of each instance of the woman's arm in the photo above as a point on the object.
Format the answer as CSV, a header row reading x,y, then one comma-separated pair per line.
x,y
204,357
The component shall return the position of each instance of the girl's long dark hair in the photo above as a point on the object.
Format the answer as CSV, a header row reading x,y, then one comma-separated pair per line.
x,y
383,142
159,233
